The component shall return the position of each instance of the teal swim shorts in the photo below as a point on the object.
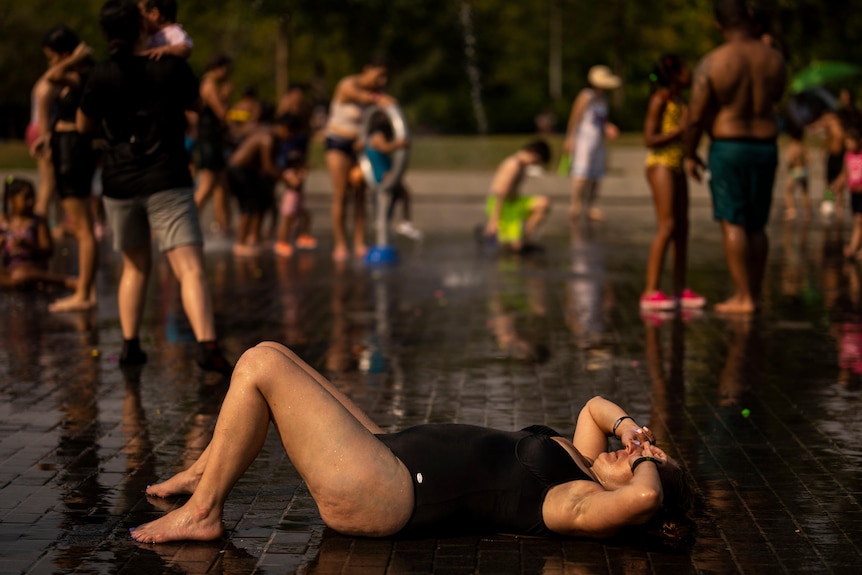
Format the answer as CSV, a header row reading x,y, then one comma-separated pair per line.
x,y
742,175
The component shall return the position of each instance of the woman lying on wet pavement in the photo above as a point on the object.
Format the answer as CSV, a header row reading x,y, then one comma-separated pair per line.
x,y
428,480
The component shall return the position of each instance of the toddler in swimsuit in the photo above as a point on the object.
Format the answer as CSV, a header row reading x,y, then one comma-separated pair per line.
x,y
25,242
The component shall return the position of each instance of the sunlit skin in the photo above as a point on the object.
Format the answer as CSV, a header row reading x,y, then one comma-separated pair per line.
x,y
734,93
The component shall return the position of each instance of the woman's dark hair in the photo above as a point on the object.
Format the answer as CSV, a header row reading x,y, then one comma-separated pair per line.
x,y
13,187
217,61
672,526
61,39
121,23
666,69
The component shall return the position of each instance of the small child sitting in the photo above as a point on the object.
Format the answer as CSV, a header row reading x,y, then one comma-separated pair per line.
x,y
25,242
166,37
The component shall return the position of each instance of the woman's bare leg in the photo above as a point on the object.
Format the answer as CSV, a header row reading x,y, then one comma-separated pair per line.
x,y
359,485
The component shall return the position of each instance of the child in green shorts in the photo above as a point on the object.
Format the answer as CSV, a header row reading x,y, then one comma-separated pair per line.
x,y
512,218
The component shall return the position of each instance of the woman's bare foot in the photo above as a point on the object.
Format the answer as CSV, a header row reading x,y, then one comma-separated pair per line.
x,y
849,252
360,251
736,305
72,303
183,483
183,524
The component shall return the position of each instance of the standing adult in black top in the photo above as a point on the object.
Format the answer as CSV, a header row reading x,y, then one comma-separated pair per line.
x,y
140,107
73,158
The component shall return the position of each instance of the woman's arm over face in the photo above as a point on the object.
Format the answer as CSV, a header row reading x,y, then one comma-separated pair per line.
x,y
586,509
596,423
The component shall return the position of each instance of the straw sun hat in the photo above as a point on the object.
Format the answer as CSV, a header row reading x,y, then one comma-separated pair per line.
x,y
601,77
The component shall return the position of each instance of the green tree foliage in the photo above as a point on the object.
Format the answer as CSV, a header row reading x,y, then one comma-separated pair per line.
x,y
424,43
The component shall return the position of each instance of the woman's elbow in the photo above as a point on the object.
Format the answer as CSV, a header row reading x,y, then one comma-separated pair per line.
x,y
647,502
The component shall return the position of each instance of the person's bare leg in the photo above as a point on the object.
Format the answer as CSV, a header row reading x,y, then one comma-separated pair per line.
x,y
758,251
221,202
855,238
338,165
45,190
187,264
204,189
185,482
661,185
579,186
736,251
538,213
132,289
360,248
789,203
80,218
591,193
806,201
360,487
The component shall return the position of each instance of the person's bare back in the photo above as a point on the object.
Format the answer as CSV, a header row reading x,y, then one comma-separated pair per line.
x,y
746,79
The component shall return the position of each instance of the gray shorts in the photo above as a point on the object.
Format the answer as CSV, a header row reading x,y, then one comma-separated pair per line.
x,y
170,216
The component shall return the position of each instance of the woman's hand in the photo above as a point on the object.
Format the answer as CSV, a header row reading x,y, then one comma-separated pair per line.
x,y
635,438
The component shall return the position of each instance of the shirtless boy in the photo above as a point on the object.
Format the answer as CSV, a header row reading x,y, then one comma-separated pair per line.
x,y
513,218
736,87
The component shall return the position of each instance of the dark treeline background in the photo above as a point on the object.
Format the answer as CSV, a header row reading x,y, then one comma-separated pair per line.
x,y
527,56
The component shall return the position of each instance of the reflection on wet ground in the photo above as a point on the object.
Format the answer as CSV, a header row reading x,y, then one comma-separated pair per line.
x,y
764,412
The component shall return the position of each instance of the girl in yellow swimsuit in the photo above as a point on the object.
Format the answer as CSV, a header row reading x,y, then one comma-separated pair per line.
x,y
663,130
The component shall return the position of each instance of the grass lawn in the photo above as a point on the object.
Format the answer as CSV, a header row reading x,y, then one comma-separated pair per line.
x,y
15,156
427,153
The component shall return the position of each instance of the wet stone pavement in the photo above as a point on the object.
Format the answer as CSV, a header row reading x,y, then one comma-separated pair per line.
x,y
764,412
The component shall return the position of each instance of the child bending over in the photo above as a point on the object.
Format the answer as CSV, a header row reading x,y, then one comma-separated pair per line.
x,y
252,174
512,218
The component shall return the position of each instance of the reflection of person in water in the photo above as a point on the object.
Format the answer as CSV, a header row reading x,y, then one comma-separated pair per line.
x,y
505,310
846,327
429,479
